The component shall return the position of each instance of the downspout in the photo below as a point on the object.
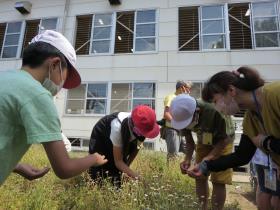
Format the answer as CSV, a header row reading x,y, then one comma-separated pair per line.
x,y
66,9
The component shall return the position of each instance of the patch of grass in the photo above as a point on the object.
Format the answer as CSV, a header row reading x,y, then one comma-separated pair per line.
x,y
162,188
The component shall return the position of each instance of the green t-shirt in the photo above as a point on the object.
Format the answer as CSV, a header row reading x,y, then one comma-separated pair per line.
x,y
27,116
212,126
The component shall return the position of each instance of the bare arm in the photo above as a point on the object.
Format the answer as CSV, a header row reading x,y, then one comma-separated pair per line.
x,y
190,145
167,114
120,164
65,167
132,157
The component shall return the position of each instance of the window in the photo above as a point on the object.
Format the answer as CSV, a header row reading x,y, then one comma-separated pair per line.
x,y
33,27
2,34
76,100
239,26
102,34
213,27
93,98
11,40
31,30
265,18
83,34
96,101
145,36
125,96
87,99
48,24
149,145
131,31
188,29
196,89
121,95
202,28
124,32
144,93
11,35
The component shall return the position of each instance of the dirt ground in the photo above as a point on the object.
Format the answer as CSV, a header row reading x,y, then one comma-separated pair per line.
x,y
242,194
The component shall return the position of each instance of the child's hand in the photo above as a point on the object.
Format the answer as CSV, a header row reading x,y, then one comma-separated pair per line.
x,y
29,172
98,159
132,176
194,171
184,166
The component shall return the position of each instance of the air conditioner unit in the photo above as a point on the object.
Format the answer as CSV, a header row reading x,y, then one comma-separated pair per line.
x,y
24,7
115,2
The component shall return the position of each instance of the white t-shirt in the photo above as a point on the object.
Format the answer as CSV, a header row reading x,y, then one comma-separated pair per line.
x,y
261,158
115,135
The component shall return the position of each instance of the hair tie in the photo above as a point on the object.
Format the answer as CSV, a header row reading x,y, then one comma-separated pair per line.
x,y
237,73
242,76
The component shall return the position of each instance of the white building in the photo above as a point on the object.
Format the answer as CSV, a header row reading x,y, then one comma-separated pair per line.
x,y
134,52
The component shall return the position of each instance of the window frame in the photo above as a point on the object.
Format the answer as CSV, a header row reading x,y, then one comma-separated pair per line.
x,y
225,25
156,36
142,98
227,32
40,25
20,41
108,98
96,98
75,99
22,32
277,16
113,30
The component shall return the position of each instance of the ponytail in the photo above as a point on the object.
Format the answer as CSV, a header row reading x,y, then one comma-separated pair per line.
x,y
244,78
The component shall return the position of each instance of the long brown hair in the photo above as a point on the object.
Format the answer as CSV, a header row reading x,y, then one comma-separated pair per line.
x,y
245,78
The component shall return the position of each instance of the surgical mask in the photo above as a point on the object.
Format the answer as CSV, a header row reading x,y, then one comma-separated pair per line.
x,y
50,85
227,109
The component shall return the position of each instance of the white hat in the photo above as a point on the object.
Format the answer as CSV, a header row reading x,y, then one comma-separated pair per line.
x,y
182,109
58,41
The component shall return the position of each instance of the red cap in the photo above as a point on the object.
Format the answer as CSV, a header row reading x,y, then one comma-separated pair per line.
x,y
144,120
73,79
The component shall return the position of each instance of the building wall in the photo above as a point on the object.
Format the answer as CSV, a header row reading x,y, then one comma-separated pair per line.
x,y
163,67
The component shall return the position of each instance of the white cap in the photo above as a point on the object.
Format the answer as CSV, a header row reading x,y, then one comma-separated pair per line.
x,y
182,109
58,41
